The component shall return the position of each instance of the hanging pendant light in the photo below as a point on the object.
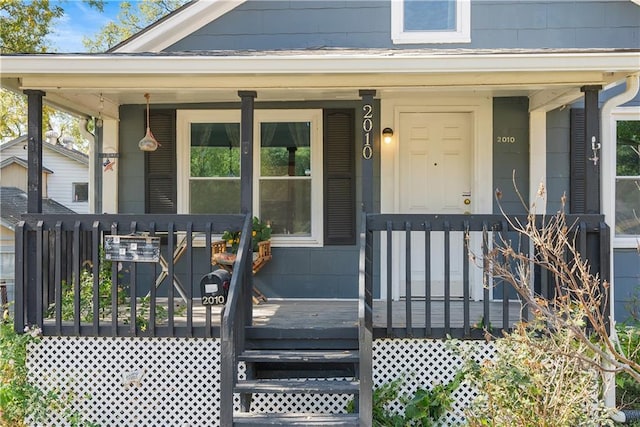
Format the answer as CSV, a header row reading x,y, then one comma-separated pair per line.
x,y
148,143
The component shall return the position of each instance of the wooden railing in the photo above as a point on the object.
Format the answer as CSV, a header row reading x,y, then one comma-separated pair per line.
x,y
236,316
65,285
436,246
365,325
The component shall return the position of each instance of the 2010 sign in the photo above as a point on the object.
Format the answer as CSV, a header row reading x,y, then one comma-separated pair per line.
x,y
367,127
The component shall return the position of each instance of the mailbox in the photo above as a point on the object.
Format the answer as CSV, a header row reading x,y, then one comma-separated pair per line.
x,y
214,287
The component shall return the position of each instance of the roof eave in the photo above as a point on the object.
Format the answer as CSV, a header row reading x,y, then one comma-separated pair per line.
x,y
182,65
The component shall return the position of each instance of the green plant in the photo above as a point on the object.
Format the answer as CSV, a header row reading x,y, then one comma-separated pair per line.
x,y
383,396
425,408
429,405
20,400
536,379
261,232
105,286
627,388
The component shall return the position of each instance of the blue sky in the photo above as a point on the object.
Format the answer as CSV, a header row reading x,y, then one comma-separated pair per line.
x,y
78,21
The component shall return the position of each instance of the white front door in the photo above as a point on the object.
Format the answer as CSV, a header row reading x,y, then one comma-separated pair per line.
x,y
435,178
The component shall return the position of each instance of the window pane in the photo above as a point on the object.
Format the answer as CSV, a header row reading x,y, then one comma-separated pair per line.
x,y
286,205
215,196
628,206
215,150
285,149
80,192
429,15
628,148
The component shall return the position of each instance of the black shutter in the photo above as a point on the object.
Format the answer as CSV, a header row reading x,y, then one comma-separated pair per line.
x,y
339,177
160,165
578,166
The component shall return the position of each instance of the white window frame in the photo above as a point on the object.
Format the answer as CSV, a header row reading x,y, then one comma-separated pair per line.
x,y
609,194
462,33
73,192
314,116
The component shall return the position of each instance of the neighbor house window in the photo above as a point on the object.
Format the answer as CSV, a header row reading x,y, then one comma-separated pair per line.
x,y
80,191
287,169
430,21
627,189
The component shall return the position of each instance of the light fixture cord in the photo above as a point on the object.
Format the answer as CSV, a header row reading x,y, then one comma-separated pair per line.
x,y
146,95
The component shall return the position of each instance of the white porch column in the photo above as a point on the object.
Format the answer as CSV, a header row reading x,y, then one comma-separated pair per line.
x,y
538,159
109,169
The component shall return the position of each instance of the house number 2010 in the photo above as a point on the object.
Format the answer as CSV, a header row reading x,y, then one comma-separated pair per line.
x,y
506,139
367,126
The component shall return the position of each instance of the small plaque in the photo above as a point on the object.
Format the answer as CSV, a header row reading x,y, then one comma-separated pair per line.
x,y
132,248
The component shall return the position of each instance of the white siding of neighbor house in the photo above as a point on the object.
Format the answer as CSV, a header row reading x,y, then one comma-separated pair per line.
x,y
66,171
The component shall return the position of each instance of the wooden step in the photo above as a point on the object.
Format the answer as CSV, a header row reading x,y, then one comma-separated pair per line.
x,y
312,356
249,419
293,386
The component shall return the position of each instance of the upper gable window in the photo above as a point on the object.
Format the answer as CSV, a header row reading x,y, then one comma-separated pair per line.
x,y
430,21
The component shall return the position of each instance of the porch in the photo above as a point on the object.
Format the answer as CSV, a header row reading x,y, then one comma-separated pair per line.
x,y
282,346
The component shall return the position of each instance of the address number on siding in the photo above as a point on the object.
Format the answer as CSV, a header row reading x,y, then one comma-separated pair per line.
x,y
506,139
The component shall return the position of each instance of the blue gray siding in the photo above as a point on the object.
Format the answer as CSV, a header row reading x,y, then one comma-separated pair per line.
x,y
626,264
266,25
511,119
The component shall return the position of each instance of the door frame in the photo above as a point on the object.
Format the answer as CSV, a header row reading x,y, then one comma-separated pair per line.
x,y
481,112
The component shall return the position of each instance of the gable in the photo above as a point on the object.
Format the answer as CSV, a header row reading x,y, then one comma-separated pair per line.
x,y
255,25
176,26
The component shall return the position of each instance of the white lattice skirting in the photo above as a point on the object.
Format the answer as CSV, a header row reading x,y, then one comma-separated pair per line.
x,y
181,381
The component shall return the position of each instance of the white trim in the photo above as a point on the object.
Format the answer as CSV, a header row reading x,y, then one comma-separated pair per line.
x,y
538,160
352,62
462,34
177,26
609,175
314,116
183,130
184,118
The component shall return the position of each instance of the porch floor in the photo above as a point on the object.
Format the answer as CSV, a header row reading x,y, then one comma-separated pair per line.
x,y
295,314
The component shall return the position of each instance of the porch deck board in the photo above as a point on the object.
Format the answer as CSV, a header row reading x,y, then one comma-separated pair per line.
x,y
332,314
294,314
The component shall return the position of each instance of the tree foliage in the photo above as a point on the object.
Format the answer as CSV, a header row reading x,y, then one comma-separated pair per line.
x,y
131,19
24,25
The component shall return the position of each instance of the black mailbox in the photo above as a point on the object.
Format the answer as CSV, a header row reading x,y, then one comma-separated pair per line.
x,y
214,287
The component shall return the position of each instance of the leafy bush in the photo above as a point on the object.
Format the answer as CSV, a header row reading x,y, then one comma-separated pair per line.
x,y
425,408
105,286
531,383
20,400
627,388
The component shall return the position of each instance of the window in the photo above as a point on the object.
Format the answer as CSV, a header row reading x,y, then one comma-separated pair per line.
x,y
627,187
430,21
80,192
287,169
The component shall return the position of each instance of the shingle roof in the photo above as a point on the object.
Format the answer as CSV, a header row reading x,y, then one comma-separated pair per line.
x,y
76,155
13,203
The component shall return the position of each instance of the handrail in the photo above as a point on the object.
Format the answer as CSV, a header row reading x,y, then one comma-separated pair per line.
x,y
462,242
53,253
233,322
365,324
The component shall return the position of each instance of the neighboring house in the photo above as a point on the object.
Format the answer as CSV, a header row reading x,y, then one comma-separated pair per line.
x,y
13,204
465,94
65,178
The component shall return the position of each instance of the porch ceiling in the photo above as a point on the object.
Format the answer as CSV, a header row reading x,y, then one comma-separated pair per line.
x,y
79,82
